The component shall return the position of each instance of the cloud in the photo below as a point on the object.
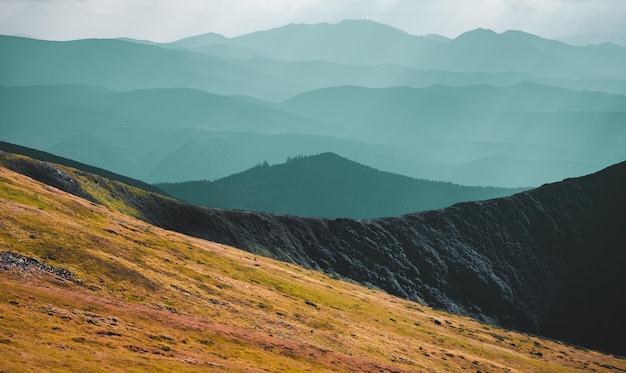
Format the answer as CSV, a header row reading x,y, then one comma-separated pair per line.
x,y
165,20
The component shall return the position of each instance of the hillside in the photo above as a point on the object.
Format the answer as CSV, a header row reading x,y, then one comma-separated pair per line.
x,y
98,290
329,186
47,157
547,261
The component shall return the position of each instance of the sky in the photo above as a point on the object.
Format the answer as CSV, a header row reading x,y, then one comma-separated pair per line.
x,y
169,20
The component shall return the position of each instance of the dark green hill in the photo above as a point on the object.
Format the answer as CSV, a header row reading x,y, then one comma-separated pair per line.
x,y
327,185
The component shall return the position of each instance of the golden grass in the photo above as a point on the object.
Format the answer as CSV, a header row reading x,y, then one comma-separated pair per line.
x,y
158,301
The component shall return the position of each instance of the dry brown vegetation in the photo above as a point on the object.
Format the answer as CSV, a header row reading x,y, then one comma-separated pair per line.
x,y
144,299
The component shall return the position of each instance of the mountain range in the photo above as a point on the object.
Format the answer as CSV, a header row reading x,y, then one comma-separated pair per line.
x,y
474,51
329,186
467,110
545,261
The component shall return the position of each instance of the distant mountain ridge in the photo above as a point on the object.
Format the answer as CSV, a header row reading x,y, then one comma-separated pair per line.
x,y
201,40
328,186
477,50
343,42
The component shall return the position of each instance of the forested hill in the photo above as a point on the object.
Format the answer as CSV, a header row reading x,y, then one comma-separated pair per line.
x,y
330,186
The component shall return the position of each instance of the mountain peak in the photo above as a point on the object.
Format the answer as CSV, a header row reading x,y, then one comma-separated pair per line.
x,y
478,33
367,23
342,42
346,25
201,40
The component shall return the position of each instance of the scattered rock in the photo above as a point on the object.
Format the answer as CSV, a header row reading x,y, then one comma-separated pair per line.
x,y
10,260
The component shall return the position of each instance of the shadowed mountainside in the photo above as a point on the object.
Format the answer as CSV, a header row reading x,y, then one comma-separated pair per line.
x,y
328,186
88,289
545,261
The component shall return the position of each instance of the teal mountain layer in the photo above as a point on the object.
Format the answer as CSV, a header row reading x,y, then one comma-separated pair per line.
x,y
508,109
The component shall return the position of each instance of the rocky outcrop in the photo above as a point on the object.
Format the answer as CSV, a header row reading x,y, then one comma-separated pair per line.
x,y
548,261
14,261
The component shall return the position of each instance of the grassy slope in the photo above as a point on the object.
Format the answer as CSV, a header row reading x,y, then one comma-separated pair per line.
x,y
47,157
146,299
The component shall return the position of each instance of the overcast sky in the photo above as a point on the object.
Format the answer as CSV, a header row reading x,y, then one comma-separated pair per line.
x,y
168,20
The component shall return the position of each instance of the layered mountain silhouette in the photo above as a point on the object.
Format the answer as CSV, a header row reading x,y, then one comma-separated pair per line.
x,y
479,50
545,261
466,110
327,185
126,65
183,134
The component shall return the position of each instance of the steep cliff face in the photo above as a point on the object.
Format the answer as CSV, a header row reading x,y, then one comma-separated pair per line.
x,y
548,261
